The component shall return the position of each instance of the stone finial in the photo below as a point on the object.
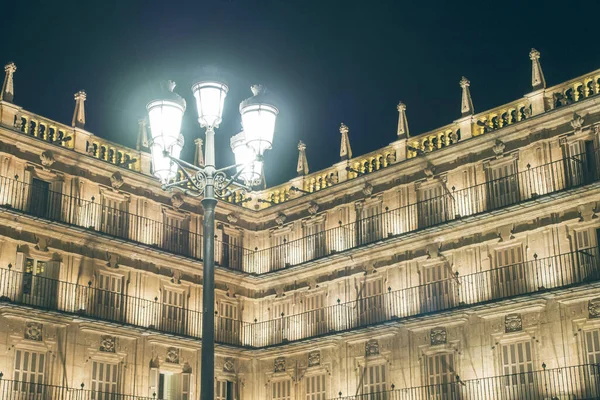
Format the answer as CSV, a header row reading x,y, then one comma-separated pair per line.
x,y
199,156
537,76
345,149
8,90
466,107
79,113
402,121
302,167
142,140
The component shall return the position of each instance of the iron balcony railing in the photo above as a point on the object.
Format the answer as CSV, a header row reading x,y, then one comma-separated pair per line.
x,y
38,200
32,390
537,275
580,382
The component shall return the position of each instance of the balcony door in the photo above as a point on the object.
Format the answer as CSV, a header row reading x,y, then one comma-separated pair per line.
x,y
39,198
315,387
232,250
105,378
280,251
39,285
109,297
173,311
510,278
517,368
315,245
176,234
225,390
440,376
29,376
113,217
370,302
278,329
370,226
374,383
228,324
438,288
503,185
314,322
432,207
282,390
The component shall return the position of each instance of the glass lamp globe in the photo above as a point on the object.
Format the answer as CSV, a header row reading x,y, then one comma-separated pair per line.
x,y
210,98
165,115
248,163
258,120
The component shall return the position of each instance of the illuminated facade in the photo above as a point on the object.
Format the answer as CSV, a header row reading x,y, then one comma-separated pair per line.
x,y
457,263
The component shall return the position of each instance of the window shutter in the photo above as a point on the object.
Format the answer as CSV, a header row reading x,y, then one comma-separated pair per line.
x,y
186,386
20,262
153,383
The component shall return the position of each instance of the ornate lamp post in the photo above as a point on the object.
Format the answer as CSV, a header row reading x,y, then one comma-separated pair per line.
x,y
258,119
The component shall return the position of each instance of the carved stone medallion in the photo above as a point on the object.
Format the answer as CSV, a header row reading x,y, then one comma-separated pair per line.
x,y
228,365
438,336
594,308
513,323
372,348
33,331
172,355
279,364
107,344
314,358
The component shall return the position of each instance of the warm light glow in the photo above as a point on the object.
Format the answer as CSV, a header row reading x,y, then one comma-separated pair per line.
x,y
258,119
210,98
246,159
165,117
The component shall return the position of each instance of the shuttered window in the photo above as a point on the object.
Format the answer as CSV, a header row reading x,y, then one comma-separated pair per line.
x,y
375,379
221,390
437,288
440,374
370,301
30,369
104,380
432,206
282,390
510,275
517,364
592,346
315,387
503,186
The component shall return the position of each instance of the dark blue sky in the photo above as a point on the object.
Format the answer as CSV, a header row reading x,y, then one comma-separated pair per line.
x,y
327,61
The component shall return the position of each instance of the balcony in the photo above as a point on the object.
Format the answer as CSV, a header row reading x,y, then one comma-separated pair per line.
x,y
459,291
535,182
579,382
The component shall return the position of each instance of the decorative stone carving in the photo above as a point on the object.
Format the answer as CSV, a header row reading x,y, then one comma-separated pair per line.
x,y
172,355
513,323
438,336
577,122
367,189
499,148
33,331
429,171
281,219
107,344
232,218
279,364
47,159
313,208
372,348
594,308
314,358
112,260
42,243
228,365
116,180
177,200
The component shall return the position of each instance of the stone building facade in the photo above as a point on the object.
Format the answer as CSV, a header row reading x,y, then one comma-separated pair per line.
x,y
457,263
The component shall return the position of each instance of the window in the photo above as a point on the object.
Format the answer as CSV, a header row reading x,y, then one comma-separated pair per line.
x,y
370,301
40,281
440,375
584,242
227,322
315,387
281,255
176,233
592,347
369,223
39,201
374,381
437,290
314,314
104,380
314,240
109,296
173,313
223,388
114,217
432,207
280,322
232,250
503,185
517,367
30,368
510,275
282,390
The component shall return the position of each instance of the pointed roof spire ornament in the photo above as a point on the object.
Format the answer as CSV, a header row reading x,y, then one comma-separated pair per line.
x,y
402,121
142,140
466,107
345,149
79,113
199,156
302,167
8,90
537,76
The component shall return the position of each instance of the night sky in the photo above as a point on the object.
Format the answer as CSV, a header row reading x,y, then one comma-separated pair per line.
x,y
326,61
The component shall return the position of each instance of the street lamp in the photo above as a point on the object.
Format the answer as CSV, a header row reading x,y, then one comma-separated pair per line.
x,y
258,120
